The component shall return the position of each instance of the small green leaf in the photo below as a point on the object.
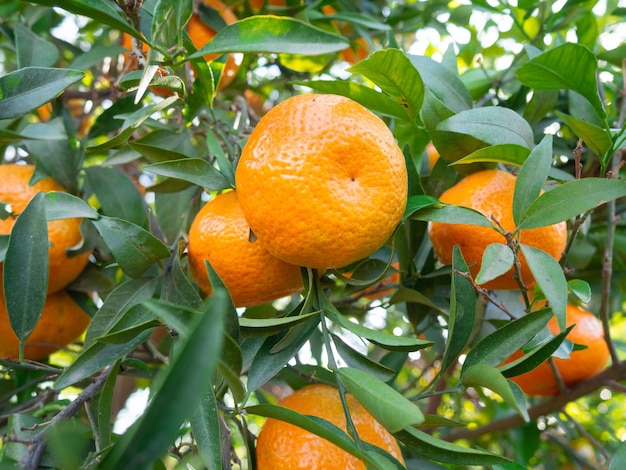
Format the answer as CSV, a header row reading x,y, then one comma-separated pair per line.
x,y
62,205
618,460
180,392
497,260
462,310
168,21
134,320
134,248
492,125
580,289
359,361
499,345
382,339
273,34
483,375
568,66
388,406
25,268
450,214
550,278
33,50
193,170
256,327
126,202
394,73
205,424
531,177
417,203
511,154
571,199
26,89
432,448
597,139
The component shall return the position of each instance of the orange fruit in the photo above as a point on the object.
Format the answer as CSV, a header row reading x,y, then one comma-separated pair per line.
x,y
358,50
321,181
257,5
200,34
61,323
432,154
62,234
582,364
491,193
220,234
284,446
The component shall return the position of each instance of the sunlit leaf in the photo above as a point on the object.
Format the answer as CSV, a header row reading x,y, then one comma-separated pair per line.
x,y
531,177
497,260
194,170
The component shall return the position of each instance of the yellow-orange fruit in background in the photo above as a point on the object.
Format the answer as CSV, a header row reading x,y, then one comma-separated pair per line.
x,y
322,181
581,365
283,446
432,154
62,234
220,234
61,323
491,193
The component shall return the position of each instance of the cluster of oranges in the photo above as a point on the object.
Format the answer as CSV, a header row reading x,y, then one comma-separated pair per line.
x,y
491,193
62,320
321,183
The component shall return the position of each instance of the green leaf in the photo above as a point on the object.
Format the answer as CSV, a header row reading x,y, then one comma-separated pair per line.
x,y
168,21
450,214
618,459
33,50
444,83
550,278
273,34
511,154
25,268
532,175
568,66
394,73
314,425
417,203
194,170
580,289
95,358
379,338
255,327
492,125
497,259
265,364
26,89
62,205
571,199
102,11
134,320
462,310
119,300
124,202
104,403
597,139
179,394
428,447
205,424
36,131
4,245
499,345
483,375
388,406
541,103
373,100
359,361
134,248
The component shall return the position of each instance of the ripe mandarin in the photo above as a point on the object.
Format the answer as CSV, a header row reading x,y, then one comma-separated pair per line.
x,y
62,234
220,234
284,446
491,193
321,181
581,365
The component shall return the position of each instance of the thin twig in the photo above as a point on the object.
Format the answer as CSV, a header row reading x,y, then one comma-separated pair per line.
x,y
32,458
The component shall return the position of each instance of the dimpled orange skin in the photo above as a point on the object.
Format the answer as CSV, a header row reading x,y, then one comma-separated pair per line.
x,y
61,323
282,446
220,234
62,234
321,181
491,193
581,365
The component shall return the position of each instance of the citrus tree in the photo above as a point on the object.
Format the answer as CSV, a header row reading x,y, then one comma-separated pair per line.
x,y
385,232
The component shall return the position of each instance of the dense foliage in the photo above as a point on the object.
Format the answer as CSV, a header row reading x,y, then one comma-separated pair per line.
x,y
141,138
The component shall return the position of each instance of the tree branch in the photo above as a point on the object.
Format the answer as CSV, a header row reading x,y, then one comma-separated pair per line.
x,y
605,378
